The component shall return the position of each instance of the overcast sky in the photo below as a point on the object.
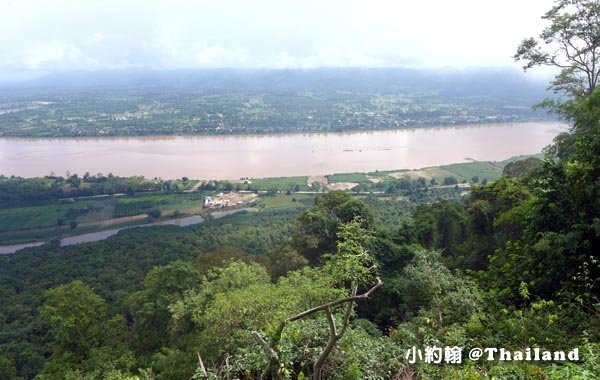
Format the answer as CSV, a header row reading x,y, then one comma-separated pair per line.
x,y
62,35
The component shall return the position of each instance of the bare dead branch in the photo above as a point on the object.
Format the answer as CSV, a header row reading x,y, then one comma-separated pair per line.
x,y
268,349
333,338
353,298
349,308
331,322
201,366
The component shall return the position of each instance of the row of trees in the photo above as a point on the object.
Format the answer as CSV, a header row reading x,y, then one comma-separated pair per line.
x,y
17,191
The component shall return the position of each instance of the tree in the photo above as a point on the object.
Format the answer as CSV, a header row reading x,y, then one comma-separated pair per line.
x,y
239,298
571,43
155,213
7,369
219,258
350,267
84,338
448,181
149,308
283,260
522,169
441,225
562,217
315,229
73,312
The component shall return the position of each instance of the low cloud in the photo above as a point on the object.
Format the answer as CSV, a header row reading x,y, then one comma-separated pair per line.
x,y
61,35
58,55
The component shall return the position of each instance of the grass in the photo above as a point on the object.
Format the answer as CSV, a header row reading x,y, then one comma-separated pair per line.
x,y
103,209
47,216
283,201
133,208
432,172
491,170
39,216
437,172
187,185
280,183
166,203
484,169
348,177
379,173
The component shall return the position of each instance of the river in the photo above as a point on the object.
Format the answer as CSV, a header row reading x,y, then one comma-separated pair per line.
x,y
101,235
233,157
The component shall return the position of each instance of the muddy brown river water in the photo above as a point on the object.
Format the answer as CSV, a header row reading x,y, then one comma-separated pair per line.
x,y
233,157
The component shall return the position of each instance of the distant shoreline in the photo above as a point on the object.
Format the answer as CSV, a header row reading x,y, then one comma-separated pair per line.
x,y
272,133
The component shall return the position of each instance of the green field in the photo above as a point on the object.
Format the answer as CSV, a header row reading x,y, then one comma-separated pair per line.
x,y
279,183
437,172
40,216
348,177
461,171
166,203
484,169
92,211
378,173
134,207
283,201
186,185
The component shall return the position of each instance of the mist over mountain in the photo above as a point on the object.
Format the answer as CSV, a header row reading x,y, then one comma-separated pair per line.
x,y
492,82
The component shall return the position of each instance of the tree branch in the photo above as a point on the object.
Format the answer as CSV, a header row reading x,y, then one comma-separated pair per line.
x,y
353,298
349,308
201,366
265,345
333,338
331,322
